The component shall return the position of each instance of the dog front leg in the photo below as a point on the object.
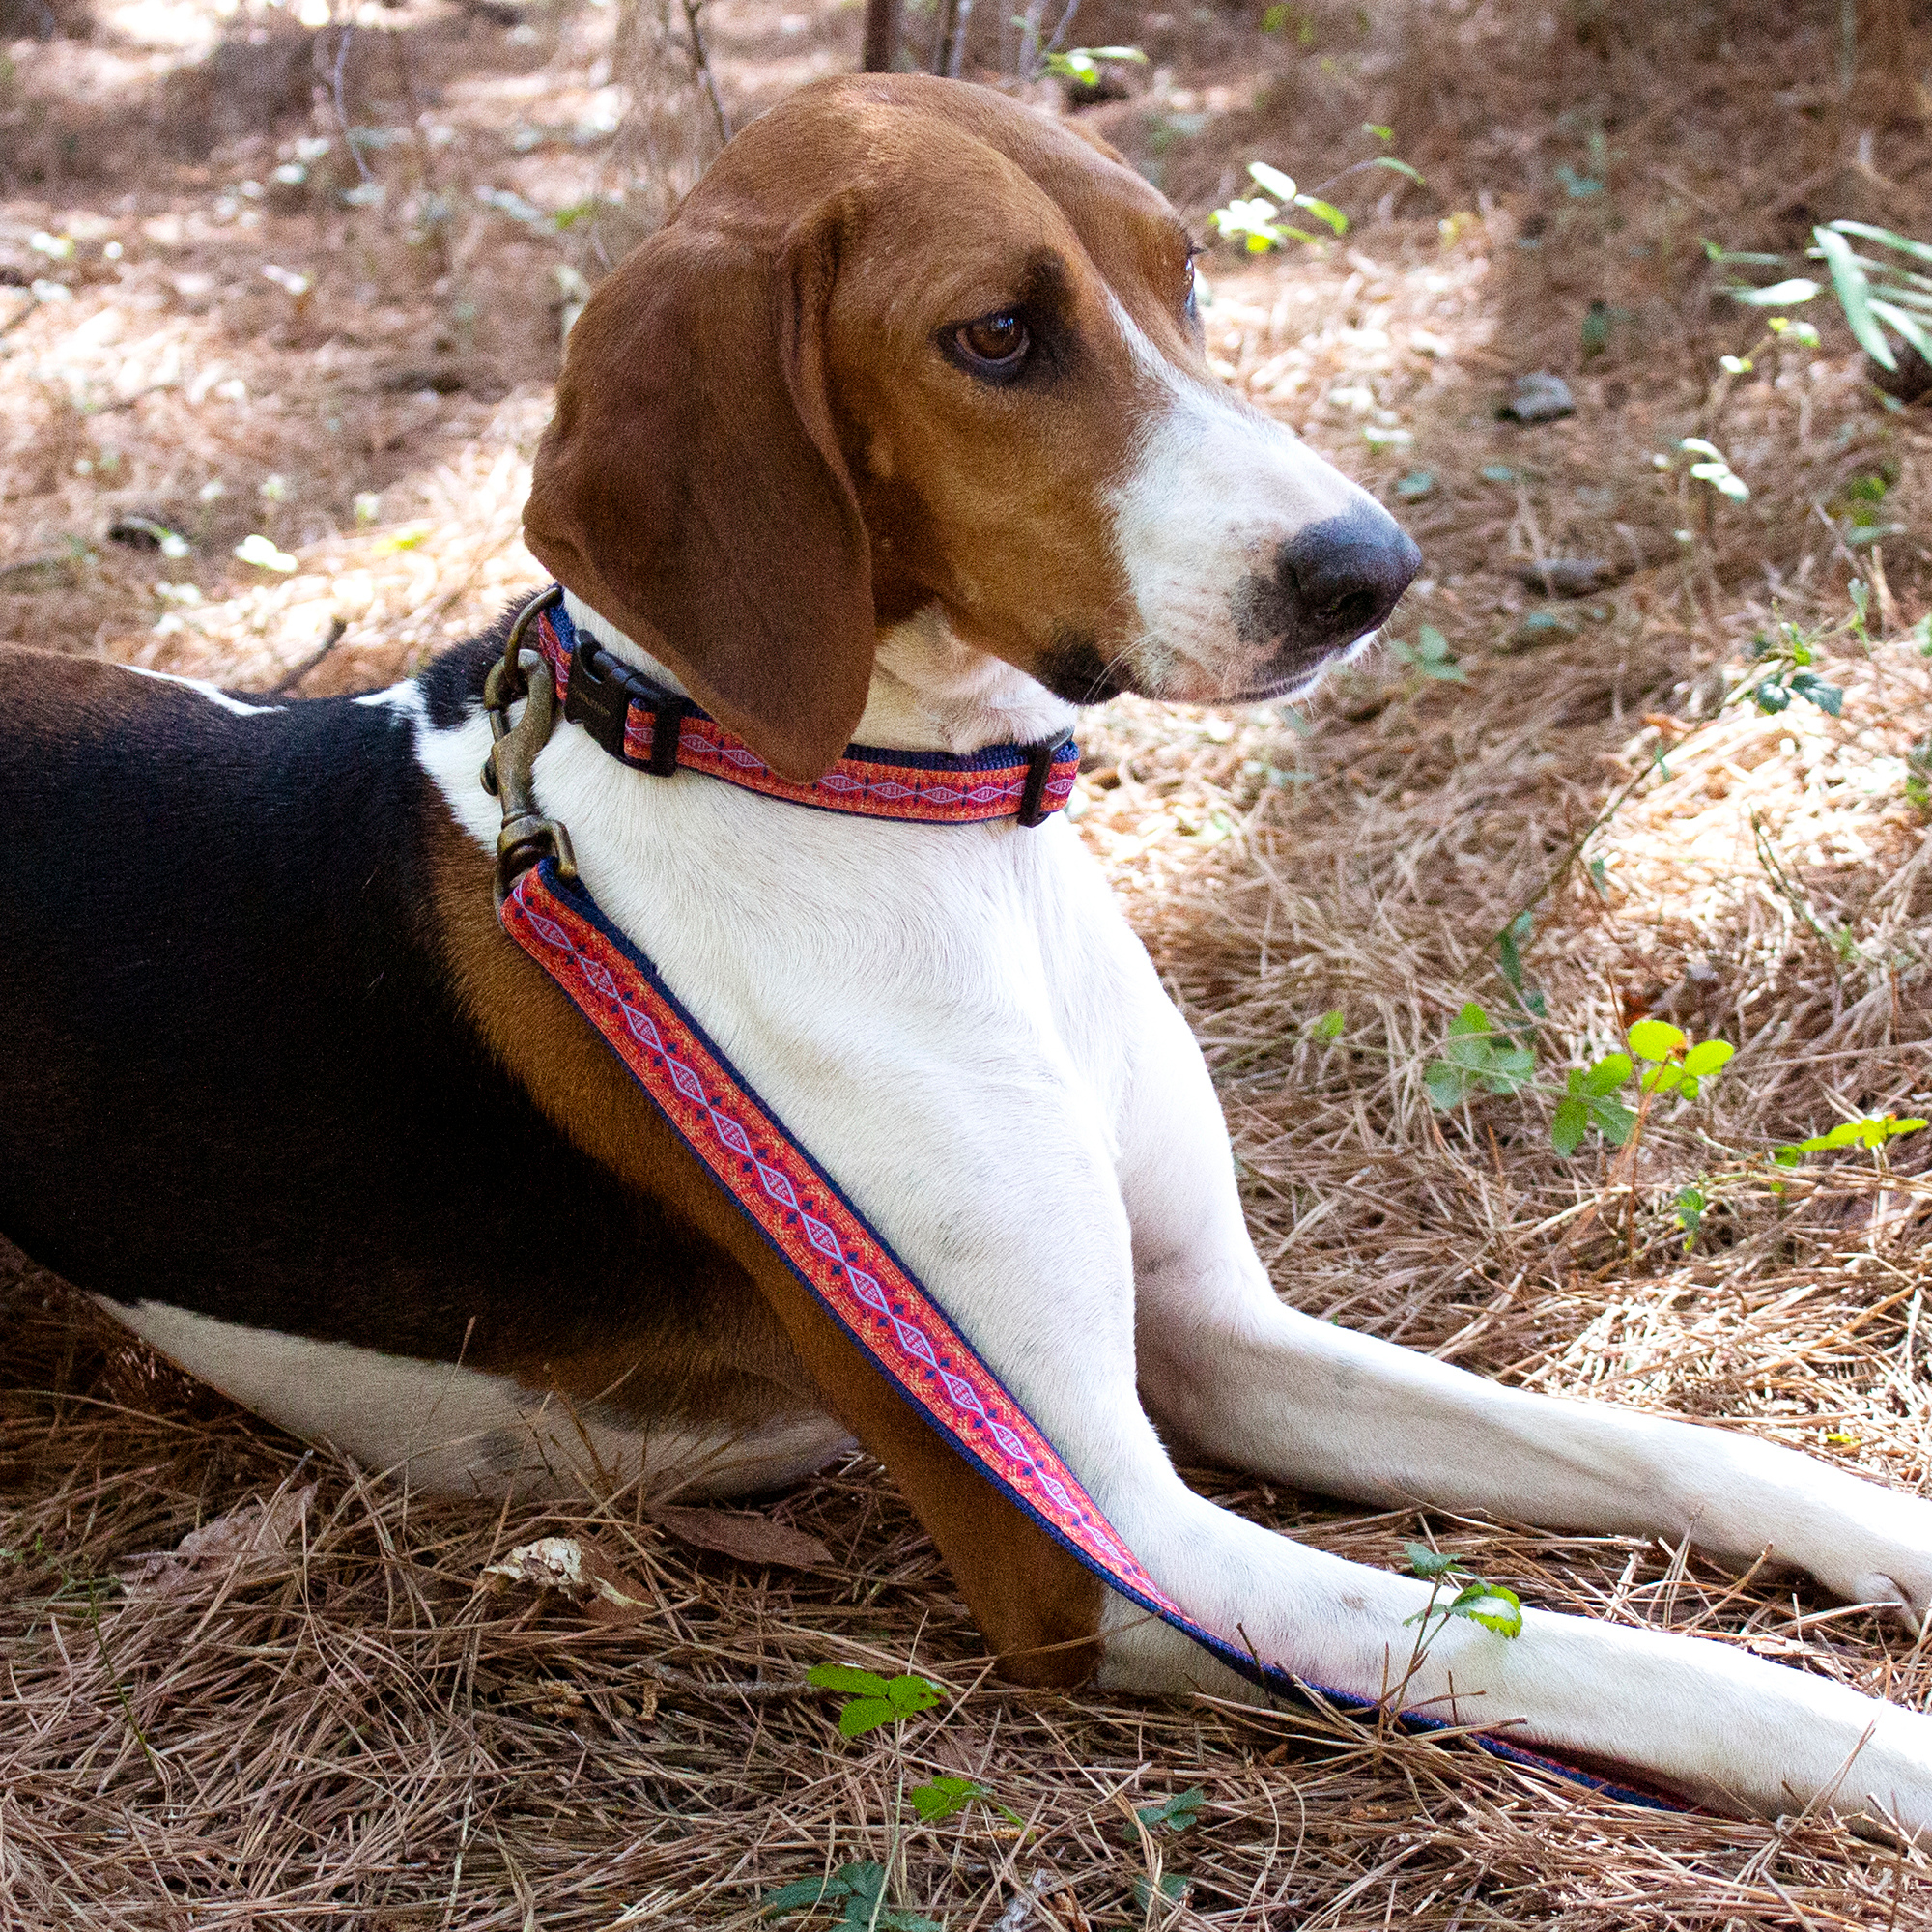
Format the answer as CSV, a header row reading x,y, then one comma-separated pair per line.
x,y
1240,1378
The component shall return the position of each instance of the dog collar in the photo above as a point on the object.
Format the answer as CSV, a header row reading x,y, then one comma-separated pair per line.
x,y
652,730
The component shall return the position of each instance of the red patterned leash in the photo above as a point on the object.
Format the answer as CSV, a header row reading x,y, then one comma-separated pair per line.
x,y
849,1267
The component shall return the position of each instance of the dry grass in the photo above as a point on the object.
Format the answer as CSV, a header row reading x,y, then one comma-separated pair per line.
x,y
341,1724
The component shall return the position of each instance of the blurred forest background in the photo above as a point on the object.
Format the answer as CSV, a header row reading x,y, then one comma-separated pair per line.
x,y
282,294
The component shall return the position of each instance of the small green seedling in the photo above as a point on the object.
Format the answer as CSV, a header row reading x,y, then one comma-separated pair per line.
x,y
1173,1889
1254,222
1494,1605
1430,657
1874,291
875,1700
1678,1065
1874,1131
1788,659
1082,64
1478,1057
1329,1026
1176,1814
860,1889
1711,468
946,1796
1510,942
1681,1064
1690,1207
1589,1101
1918,771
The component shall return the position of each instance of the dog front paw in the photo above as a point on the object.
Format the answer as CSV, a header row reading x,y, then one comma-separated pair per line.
x,y
1861,1542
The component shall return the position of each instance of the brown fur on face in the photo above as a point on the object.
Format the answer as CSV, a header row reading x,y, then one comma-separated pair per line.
x,y
764,451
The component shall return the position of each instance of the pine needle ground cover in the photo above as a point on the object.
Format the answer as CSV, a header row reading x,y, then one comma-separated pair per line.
x,y
249,1685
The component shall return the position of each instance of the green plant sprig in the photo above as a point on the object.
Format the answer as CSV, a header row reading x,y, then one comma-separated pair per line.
x,y
1494,1605
1480,1057
1875,1131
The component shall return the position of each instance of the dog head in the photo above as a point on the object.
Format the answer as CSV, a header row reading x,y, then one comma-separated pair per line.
x,y
910,344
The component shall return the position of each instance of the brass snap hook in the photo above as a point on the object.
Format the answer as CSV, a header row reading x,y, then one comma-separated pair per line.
x,y
527,836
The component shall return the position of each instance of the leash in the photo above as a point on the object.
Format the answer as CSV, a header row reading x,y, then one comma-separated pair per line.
x,y
842,1260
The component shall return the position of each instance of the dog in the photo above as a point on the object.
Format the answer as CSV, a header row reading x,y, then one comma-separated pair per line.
x,y
901,432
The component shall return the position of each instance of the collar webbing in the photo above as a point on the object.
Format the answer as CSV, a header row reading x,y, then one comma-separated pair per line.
x,y
655,731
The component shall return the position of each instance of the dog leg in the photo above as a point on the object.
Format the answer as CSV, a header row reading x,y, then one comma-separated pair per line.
x,y
1235,1375
1241,1379
1700,1716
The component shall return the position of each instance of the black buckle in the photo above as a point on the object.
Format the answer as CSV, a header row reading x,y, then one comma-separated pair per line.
x,y
1039,768
601,705
598,697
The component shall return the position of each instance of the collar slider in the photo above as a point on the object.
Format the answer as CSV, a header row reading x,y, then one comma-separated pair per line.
x,y
1038,769
600,704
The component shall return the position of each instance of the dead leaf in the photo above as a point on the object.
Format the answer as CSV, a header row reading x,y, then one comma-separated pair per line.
x,y
246,1542
753,1539
575,1567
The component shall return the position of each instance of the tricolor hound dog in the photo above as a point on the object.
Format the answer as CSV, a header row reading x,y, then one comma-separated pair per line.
x,y
899,431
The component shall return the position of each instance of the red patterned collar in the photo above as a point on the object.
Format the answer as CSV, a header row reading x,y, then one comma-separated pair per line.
x,y
635,721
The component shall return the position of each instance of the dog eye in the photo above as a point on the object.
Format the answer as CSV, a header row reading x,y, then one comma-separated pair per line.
x,y
996,345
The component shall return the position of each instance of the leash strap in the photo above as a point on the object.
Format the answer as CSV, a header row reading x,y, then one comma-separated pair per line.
x,y
851,1271
655,731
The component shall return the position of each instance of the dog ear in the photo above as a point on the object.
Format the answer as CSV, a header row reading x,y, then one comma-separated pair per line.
x,y
692,491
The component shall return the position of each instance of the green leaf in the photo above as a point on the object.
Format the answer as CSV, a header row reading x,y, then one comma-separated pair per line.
x,y
1416,485
1329,1026
1771,696
1854,293
866,1714
1612,1119
844,1676
1175,1813
1666,1078
1608,1074
1494,1605
1866,232
1779,295
1908,326
1568,1127
1376,127
1826,696
1174,1889
1398,167
1724,256
1691,1205
1707,1057
1424,1561
943,1797
1324,211
800,1894
909,1693
1654,1039
1511,959
1445,1085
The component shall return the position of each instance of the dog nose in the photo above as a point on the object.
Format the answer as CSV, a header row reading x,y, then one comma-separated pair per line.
x,y
1340,578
